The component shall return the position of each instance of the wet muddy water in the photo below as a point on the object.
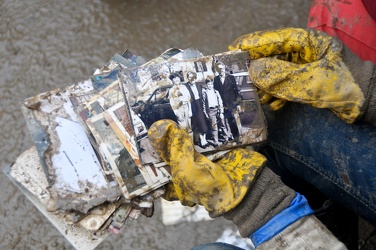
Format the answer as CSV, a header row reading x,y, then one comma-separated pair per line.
x,y
49,44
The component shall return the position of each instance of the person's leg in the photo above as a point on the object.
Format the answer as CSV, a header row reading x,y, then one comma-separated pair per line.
x,y
231,125
224,134
339,159
214,126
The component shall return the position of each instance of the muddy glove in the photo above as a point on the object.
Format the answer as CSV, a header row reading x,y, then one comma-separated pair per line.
x,y
236,186
218,186
304,66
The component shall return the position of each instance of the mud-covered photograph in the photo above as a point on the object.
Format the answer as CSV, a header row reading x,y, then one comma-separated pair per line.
x,y
133,179
47,45
210,97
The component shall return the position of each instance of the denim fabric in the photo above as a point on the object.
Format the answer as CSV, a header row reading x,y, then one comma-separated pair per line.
x,y
216,246
316,146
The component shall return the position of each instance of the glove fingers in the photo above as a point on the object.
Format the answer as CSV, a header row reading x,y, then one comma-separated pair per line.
x,y
302,44
175,147
277,104
302,65
171,194
264,97
326,83
217,186
190,170
162,136
273,103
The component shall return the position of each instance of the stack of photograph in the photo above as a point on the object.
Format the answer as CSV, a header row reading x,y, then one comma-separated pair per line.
x,y
92,155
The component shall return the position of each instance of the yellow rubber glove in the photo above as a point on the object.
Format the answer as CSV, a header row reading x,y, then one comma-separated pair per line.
x,y
304,66
219,186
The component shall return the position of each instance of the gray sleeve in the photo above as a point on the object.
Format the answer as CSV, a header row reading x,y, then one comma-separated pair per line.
x,y
306,233
364,73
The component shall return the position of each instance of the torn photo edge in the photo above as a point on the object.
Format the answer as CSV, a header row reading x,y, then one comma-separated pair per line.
x,y
80,235
148,93
133,178
66,103
55,127
118,119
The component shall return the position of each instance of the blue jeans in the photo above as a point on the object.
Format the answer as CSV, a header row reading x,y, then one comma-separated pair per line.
x,y
337,158
217,246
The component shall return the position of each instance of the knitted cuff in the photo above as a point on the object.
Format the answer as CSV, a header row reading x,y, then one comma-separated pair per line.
x,y
266,198
370,107
298,209
364,73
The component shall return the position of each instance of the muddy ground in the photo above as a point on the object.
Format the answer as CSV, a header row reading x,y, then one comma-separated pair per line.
x,y
50,44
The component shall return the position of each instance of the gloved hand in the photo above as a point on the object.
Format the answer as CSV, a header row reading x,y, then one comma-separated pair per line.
x,y
236,186
240,188
219,186
304,66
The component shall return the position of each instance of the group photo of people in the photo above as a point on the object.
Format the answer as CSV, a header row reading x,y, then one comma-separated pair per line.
x,y
211,98
207,109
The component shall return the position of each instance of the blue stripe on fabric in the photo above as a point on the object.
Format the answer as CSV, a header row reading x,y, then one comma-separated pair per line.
x,y
298,208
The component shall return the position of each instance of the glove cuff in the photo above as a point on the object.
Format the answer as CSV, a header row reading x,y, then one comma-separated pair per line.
x,y
370,95
364,73
266,198
298,208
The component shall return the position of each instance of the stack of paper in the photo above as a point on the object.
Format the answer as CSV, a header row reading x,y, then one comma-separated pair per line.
x,y
92,155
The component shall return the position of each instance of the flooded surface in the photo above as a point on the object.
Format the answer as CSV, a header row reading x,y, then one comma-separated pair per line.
x,y
46,45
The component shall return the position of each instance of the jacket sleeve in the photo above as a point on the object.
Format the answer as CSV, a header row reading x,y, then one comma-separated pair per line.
x,y
306,233
204,102
364,73
274,216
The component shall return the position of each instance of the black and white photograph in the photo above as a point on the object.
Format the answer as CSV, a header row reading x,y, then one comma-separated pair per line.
x,y
210,97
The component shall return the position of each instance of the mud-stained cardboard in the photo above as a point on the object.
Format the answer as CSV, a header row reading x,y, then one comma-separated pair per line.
x,y
83,231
